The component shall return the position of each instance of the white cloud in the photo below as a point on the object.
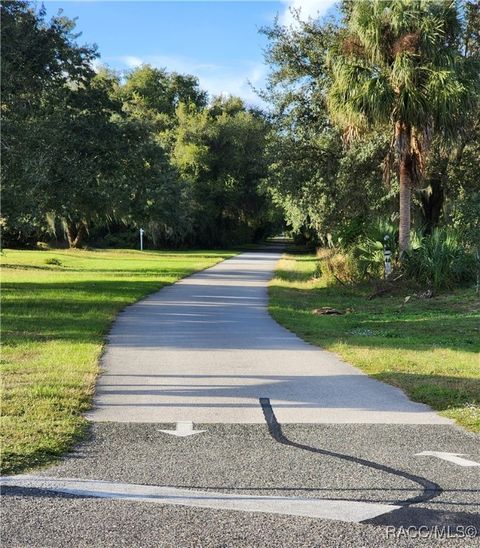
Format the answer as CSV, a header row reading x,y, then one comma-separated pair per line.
x,y
131,61
216,79
307,9
171,62
236,78
235,82
228,79
96,65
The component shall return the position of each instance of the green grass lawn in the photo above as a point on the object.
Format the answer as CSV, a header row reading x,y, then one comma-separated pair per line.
x,y
55,317
427,347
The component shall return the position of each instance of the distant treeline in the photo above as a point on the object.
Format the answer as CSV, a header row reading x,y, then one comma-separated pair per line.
x,y
373,121
91,156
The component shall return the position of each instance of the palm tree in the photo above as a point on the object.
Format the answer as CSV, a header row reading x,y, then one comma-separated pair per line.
x,y
397,66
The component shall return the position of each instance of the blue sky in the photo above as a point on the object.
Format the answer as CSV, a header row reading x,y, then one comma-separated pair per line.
x,y
216,41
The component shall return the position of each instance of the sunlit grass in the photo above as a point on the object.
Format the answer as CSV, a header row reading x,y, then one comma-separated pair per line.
x,y
55,317
427,347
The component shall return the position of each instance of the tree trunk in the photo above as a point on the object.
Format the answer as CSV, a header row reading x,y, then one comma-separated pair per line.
x,y
75,233
403,138
405,199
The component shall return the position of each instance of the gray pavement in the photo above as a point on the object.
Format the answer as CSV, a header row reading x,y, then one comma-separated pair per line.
x,y
205,350
247,460
293,446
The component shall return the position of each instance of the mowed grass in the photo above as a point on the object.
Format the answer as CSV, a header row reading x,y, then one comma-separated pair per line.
x,y
427,347
55,318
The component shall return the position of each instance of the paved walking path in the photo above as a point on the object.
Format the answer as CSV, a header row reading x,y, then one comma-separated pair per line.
x,y
206,350
279,443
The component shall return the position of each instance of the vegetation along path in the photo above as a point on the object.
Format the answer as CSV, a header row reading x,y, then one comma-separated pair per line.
x,y
427,347
213,422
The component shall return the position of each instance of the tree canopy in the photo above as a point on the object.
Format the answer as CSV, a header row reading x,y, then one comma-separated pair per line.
x,y
381,102
88,154
371,117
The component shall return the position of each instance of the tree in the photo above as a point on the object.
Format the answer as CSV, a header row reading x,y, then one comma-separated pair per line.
x,y
219,153
75,157
321,184
155,94
52,64
81,185
447,156
397,65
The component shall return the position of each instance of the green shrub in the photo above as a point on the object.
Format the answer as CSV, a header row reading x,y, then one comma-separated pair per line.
x,y
334,266
385,227
356,255
439,260
368,258
348,233
53,261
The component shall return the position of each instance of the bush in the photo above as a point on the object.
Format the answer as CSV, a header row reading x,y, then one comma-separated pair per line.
x,y
53,261
334,266
368,258
382,228
355,256
439,260
364,260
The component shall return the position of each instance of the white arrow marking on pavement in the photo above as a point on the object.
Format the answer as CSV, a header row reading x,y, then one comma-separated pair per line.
x,y
183,429
450,457
351,511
